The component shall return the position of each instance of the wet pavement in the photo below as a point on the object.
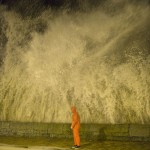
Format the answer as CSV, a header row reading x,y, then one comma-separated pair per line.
x,y
40,143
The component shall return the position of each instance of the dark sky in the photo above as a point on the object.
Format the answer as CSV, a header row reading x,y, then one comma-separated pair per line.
x,y
69,3
34,8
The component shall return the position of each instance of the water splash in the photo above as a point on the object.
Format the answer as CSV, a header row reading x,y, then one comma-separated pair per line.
x,y
96,61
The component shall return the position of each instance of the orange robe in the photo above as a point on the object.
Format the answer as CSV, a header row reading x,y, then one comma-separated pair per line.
x,y
75,126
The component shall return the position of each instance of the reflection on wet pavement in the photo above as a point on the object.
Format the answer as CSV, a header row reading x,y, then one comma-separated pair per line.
x,y
40,143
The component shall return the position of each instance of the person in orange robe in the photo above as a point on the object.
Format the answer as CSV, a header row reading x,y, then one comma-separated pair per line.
x,y
75,126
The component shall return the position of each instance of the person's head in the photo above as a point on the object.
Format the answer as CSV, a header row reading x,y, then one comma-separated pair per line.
x,y
73,109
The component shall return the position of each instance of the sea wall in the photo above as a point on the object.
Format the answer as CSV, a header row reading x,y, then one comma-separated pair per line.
x,y
125,132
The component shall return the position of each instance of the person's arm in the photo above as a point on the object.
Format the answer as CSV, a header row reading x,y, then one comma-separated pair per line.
x,y
74,120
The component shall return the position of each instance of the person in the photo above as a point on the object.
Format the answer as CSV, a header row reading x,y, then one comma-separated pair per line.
x,y
75,126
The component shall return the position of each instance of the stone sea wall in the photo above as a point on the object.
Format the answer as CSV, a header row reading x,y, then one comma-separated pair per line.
x,y
122,132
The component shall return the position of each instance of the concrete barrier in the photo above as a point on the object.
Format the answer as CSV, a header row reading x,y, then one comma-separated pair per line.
x,y
123,132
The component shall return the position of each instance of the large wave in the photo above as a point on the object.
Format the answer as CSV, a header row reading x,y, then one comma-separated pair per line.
x,y
97,59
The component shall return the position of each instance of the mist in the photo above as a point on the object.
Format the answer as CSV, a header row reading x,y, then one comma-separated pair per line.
x,y
96,57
